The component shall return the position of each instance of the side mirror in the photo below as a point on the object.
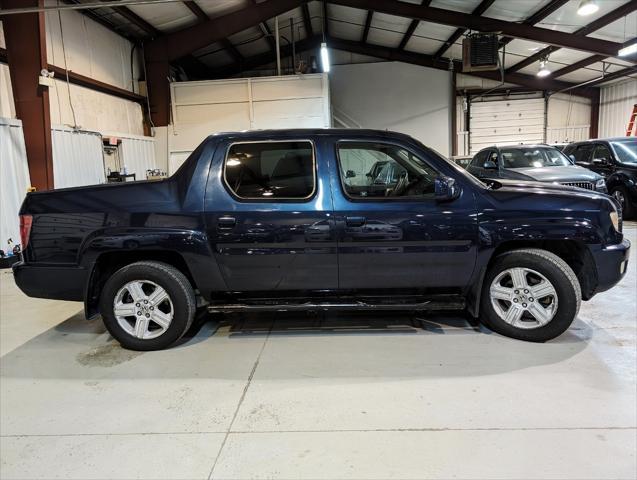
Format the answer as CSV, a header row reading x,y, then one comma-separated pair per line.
x,y
600,161
446,189
490,165
572,157
350,174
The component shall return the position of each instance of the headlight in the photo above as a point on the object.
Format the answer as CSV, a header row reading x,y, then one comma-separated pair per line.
x,y
601,184
614,218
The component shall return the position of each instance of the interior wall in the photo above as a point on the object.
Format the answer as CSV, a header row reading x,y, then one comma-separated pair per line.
x,y
366,95
568,118
616,105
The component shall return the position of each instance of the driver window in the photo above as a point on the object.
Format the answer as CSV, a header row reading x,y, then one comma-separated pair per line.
x,y
383,170
601,153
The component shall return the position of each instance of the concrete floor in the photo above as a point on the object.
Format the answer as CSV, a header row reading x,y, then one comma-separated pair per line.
x,y
331,396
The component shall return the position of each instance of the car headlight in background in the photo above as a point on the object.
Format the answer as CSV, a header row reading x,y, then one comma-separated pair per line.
x,y
600,184
614,218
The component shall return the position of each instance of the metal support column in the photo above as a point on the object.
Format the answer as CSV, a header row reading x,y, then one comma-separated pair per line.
x,y
25,36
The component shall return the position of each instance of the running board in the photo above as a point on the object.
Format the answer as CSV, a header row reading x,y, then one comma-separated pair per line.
x,y
457,303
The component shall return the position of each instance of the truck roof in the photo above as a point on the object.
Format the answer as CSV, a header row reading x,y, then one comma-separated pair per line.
x,y
310,132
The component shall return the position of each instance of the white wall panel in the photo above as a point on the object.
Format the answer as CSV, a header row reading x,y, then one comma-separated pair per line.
x,y
77,158
616,105
94,111
138,154
200,109
91,49
395,96
14,178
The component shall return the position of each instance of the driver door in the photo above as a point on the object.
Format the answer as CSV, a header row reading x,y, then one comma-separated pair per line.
x,y
391,232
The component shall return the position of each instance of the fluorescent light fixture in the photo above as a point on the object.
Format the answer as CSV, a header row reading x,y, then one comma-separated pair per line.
x,y
325,57
629,50
587,7
544,69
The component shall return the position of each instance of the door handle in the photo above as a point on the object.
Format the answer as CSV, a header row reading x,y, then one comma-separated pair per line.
x,y
226,222
355,221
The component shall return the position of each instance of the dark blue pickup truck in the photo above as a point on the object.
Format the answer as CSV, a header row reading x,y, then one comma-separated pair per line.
x,y
320,219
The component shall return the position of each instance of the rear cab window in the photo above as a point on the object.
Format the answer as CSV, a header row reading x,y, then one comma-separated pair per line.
x,y
271,170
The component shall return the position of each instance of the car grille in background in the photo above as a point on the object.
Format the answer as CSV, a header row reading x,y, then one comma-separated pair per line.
x,y
586,185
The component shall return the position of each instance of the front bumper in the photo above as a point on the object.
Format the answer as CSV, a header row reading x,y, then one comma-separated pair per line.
x,y
612,264
54,281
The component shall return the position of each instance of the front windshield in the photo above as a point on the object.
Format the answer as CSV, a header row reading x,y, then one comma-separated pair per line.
x,y
626,151
537,157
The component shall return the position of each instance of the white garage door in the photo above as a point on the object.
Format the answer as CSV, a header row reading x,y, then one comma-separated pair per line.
x,y
506,122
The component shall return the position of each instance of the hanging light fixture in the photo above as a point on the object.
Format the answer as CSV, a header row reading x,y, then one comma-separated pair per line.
x,y
587,7
325,58
544,69
629,50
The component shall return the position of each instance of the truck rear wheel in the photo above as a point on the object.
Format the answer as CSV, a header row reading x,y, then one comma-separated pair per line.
x,y
147,305
530,294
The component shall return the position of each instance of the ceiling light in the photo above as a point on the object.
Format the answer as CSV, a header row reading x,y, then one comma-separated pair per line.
x,y
587,7
325,58
544,69
629,50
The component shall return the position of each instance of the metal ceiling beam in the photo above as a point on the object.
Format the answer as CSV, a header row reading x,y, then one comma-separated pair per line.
x,y
368,24
479,10
267,33
102,21
132,17
601,22
486,24
588,61
203,17
307,21
179,44
612,76
411,29
538,16
326,22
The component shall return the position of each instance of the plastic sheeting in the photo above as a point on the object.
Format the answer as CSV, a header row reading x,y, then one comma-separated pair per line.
x,y
14,179
77,158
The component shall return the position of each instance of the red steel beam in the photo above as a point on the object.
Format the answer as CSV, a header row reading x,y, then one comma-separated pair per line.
x,y
486,24
479,10
25,36
538,16
412,28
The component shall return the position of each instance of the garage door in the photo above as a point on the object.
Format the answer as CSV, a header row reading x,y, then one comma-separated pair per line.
x,y
506,122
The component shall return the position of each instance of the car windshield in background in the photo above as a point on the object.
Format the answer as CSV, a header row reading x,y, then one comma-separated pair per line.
x,y
626,151
525,157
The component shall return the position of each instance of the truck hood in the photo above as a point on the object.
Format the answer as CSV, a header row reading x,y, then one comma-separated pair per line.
x,y
571,173
540,188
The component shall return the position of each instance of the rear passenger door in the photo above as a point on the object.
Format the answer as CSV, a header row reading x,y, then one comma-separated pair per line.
x,y
602,160
269,216
582,154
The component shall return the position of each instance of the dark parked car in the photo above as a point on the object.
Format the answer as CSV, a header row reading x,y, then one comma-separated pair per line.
x,y
616,160
542,163
289,220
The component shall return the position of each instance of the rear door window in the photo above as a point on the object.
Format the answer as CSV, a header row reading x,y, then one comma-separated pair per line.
x,y
271,170
582,153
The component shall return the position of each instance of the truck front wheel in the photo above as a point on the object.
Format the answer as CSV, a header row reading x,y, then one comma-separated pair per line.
x,y
530,294
147,305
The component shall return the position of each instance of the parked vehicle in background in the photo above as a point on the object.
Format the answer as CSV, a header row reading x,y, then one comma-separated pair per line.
x,y
540,163
616,160
320,219
560,145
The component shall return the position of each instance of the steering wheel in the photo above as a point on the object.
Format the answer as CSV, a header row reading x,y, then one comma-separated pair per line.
x,y
401,185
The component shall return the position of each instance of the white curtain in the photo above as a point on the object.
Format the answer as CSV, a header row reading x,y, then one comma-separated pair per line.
x,y
14,179
77,158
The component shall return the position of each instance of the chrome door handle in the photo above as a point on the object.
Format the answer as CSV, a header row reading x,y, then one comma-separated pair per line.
x,y
226,222
355,221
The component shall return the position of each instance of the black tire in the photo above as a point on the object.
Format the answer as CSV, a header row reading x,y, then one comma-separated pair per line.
x,y
556,271
176,285
628,208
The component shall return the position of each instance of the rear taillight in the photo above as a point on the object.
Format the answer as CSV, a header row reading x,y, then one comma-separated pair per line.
x,y
25,230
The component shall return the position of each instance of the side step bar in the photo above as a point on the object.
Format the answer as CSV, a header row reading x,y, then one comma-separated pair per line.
x,y
457,304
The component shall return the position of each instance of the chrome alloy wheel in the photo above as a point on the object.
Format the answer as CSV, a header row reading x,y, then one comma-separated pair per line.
x,y
143,309
523,298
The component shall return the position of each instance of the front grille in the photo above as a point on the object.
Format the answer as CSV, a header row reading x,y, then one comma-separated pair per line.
x,y
586,185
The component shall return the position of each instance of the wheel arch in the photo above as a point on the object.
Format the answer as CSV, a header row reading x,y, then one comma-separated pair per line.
x,y
575,253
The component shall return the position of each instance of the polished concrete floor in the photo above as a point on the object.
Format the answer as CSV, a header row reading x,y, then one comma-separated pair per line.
x,y
319,396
